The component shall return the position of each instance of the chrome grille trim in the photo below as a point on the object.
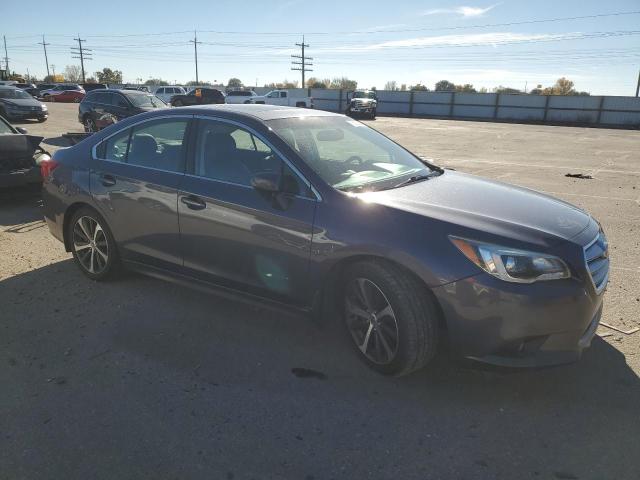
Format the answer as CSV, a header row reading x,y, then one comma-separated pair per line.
x,y
596,259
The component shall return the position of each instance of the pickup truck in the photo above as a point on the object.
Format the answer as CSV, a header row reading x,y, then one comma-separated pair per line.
x,y
284,98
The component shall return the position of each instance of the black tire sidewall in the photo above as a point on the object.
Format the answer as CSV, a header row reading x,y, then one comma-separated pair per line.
x,y
383,276
113,260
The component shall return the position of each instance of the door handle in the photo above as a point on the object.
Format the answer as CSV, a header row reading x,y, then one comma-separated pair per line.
x,y
194,203
107,180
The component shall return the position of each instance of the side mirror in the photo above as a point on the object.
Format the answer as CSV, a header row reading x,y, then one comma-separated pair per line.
x,y
22,130
266,182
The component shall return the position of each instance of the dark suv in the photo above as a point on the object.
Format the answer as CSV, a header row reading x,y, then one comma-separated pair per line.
x,y
101,108
198,96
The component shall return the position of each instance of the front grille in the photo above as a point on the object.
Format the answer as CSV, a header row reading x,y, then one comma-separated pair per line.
x,y
596,255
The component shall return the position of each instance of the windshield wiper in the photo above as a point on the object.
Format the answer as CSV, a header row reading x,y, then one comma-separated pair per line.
x,y
414,179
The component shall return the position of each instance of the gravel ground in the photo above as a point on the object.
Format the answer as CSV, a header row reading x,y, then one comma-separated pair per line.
x,y
143,379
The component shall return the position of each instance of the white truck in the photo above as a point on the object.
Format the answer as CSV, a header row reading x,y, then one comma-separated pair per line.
x,y
284,98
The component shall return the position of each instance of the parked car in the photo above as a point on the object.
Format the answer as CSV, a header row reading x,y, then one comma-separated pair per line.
x,y
310,210
21,157
8,82
93,86
284,98
30,88
58,89
141,88
362,102
67,96
16,104
101,108
240,96
199,96
46,86
165,93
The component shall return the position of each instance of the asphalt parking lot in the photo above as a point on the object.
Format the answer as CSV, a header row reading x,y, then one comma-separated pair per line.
x,y
140,378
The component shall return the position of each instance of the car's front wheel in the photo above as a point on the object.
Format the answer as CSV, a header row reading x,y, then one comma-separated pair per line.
x,y
92,244
390,316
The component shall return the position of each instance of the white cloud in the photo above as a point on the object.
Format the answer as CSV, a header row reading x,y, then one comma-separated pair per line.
x,y
465,11
495,38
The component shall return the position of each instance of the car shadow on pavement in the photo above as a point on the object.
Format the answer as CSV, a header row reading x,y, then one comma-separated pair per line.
x,y
153,373
20,206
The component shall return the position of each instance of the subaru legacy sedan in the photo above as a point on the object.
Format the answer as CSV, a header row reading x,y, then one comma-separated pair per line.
x,y
316,212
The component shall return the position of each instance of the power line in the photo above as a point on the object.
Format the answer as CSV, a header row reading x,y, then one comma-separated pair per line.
x,y
360,32
300,61
46,59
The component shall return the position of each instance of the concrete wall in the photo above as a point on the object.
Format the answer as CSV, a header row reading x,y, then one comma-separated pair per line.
x,y
595,110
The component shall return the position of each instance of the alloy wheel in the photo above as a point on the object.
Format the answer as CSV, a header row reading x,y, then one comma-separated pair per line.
x,y
371,321
90,245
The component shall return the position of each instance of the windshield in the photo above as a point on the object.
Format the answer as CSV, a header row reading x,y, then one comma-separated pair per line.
x,y
146,101
347,154
364,95
11,93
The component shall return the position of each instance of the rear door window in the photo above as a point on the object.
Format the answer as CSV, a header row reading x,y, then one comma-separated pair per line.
x,y
159,144
116,147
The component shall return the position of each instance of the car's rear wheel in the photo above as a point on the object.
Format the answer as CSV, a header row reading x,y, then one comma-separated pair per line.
x,y
390,317
90,125
92,244
178,103
76,100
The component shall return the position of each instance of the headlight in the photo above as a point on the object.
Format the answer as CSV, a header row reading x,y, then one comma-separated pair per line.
x,y
512,265
44,107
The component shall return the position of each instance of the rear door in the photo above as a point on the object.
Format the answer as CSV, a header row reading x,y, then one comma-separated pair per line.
x,y
135,175
234,235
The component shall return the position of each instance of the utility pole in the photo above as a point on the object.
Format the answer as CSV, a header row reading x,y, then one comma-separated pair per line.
x,y
300,63
44,45
6,55
638,86
82,54
195,50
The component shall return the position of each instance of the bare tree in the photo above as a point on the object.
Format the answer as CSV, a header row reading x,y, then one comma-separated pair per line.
x,y
72,73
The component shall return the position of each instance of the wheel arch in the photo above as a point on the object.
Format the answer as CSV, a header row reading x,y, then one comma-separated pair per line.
x,y
68,215
332,283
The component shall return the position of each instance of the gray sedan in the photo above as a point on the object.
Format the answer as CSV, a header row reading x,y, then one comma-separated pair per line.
x,y
312,211
16,104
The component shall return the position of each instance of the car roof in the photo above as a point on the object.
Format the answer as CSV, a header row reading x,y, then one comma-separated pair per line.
x,y
265,112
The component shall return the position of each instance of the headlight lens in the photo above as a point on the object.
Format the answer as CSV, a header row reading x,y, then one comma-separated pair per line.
x,y
44,107
512,265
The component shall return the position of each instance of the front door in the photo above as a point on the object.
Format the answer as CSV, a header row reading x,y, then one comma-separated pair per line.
x,y
236,236
135,181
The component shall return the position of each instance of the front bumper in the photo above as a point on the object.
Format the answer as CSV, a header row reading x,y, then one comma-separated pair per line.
x,y
518,325
27,115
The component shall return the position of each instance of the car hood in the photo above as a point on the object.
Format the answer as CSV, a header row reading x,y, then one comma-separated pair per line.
x,y
486,205
22,102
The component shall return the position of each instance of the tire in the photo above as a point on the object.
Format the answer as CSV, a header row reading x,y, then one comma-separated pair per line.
x,y
89,125
42,119
98,259
76,100
373,114
406,304
178,103
301,105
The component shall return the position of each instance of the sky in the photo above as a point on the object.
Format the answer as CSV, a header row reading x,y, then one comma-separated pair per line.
x,y
512,43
